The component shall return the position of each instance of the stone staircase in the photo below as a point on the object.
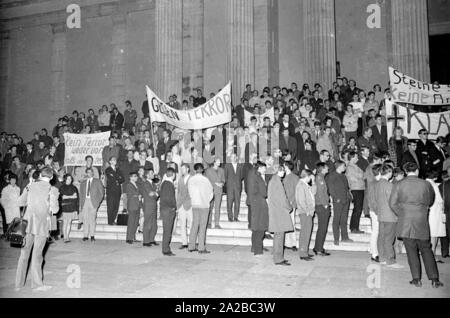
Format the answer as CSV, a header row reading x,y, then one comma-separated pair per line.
x,y
232,233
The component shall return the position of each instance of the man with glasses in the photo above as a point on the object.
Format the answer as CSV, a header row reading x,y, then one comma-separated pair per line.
x,y
425,148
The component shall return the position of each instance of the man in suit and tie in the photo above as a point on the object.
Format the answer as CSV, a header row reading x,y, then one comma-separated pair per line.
x,y
164,145
41,200
410,200
133,206
150,196
379,134
233,181
91,195
216,176
184,205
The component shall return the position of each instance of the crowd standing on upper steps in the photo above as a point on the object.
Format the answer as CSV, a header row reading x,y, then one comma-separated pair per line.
x,y
320,153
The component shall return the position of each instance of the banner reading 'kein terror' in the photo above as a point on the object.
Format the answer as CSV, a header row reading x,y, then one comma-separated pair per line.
x,y
216,111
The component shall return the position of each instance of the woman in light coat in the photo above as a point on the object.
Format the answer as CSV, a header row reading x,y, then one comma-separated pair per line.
x,y
279,219
436,217
10,199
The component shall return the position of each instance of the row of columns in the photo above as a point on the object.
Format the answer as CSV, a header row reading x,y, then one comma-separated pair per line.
x,y
179,47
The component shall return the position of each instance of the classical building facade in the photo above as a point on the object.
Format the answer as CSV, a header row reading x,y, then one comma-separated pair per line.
x,y
50,65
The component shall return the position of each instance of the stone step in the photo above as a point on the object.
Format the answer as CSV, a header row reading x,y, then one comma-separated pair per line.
x,y
225,233
243,224
220,240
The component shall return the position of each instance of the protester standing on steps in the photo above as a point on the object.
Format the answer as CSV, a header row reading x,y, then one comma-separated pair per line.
x,y
290,181
91,196
150,196
256,196
279,219
168,207
323,209
340,195
133,206
410,201
387,219
201,193
216,176
114,179
306,204
69,199
184,205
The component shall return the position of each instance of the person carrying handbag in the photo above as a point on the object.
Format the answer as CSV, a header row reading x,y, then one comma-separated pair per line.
x,y
41,201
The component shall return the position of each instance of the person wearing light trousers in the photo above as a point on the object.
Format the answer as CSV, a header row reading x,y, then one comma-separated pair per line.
x,y
201,193
184,205
290,181
305,198
279,218
41,201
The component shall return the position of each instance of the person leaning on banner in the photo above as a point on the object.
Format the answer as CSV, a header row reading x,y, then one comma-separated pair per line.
x,y
410,200
41,201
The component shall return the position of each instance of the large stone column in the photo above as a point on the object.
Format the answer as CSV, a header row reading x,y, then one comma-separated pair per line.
x,y
118,72
5,61
410,42
192,46
241,47
169,69
262,36
320,41
58,72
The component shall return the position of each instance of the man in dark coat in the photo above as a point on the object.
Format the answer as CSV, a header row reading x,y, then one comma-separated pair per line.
x,y
257,196
114,179
338,187
133,205
410,156
168,206
288,144
410,201
425,148
150,196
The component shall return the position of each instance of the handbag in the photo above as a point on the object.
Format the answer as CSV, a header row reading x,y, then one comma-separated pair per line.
x,y
122,219
17,231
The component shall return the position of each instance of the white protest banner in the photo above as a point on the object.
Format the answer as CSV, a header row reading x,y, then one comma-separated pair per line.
x,y
405,89
78,146
216,111
260,118
437,124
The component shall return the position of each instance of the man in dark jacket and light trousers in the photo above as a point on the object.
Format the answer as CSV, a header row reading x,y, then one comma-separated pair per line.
x,y
410,200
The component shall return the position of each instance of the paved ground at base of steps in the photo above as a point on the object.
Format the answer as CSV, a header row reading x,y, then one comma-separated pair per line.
x,y
115,269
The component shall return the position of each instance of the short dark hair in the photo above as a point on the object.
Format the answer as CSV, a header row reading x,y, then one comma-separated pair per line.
x,y
320,166
386,169
87,157
260,164
198,167
339,163
410,167
290,165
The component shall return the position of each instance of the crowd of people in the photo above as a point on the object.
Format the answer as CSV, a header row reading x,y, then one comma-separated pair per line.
x,y
323,151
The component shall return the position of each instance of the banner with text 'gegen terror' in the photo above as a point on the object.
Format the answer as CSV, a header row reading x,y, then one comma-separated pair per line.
x,y
405,89
78,146
411,121
215,112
